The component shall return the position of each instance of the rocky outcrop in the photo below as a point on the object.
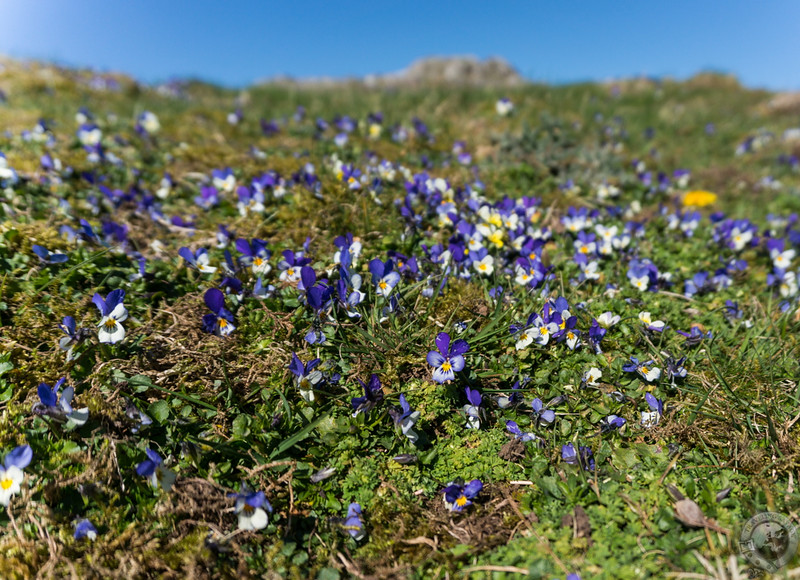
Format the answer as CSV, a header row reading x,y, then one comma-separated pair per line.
x,y
432,71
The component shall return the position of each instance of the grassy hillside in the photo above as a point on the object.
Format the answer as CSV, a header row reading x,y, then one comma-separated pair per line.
x,y
232,284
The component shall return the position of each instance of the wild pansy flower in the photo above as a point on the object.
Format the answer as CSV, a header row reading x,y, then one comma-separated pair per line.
x,y
74,335
540,414
58,405
220,320
291,264
306,376
249,200
504,107
457,497
650,324
483,262
506,400
197,260
208,198
406,419
383,276
147,123
48,257
472,410
89,134
612,422
591,377
596,334
84,529
139,418
675,369
541,330
695,336
373,395
353,523
11,476
224,179
113,312
255,254
251,508
582,456
608,319
260,291
153,469
647,369
653,416
449,358
513,428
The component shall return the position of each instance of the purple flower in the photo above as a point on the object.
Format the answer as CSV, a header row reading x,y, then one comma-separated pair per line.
x,y
542,415
473,409
113,312
373,395
255,254
306,376
457,497
220,321
353,523
47,257
514,429
383,276
153,468
612,422
449,359
251,508
652,417
647,369
406,419
197,260
58,405
85,529
582,457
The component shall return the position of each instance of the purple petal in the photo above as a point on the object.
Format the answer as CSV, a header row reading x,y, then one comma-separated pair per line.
x,y
443,342
101,304
214,299
457,363
153,456
19,457
376,268
458,347
46,394
435,359
473,488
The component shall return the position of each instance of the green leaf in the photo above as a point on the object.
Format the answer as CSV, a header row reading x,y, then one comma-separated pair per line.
x,y
159,411
241,426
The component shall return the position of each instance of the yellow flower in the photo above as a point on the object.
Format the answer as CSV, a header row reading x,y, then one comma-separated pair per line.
x,y
699,198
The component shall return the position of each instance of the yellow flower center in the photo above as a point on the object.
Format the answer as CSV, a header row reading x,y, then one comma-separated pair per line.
x,y
6,483
382,285
290,271
482,267
699,198
544,330
110,323
258,261
644,370
461,501
222,323
446,366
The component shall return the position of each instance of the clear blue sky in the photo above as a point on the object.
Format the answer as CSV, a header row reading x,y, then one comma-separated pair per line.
x,y
234,42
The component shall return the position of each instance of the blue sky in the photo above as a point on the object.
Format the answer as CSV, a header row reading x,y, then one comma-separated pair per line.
x,y
234,42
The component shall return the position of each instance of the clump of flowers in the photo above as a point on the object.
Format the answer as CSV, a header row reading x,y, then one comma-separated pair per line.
x,y
306,376
85,529
373,395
